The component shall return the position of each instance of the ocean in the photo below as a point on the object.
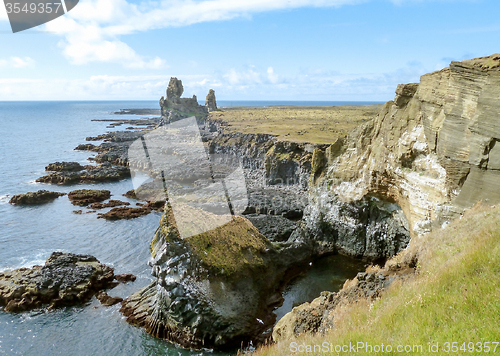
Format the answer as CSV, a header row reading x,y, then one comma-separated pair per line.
x,y
35,134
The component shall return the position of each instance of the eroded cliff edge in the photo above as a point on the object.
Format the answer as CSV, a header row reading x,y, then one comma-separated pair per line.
x,y
428,155
433,150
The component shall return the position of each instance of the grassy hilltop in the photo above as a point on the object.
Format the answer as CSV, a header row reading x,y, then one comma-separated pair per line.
x,y
297,123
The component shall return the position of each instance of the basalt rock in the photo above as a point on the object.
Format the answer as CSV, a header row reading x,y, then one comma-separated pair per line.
x,y
106,300
109,204
31,198
65,279
104,173
64,167
212,290
210,101
84,197
175,108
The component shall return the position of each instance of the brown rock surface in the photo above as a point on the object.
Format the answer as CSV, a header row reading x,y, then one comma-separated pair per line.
x,y
83,197
65,279
31,198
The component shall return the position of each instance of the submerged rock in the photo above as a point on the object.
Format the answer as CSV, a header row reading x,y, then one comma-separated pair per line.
x,y
84,197
31,198
109,204
106,300
65,279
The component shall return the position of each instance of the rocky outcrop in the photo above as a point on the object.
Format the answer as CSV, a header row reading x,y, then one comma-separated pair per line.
x,y
110,204
31,198
319,315
65,279
65,167
216,289
210,101
104,173
433,151
84,197
174,108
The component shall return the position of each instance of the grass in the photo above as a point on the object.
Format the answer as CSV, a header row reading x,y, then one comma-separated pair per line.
x,y
231,248
321,125
454,296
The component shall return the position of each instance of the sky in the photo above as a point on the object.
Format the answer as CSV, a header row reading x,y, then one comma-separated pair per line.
x,y
327,50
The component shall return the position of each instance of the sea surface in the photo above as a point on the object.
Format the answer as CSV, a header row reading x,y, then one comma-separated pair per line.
x,y
34,134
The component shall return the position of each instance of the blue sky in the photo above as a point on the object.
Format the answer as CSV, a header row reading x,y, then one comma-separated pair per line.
x,y
244,49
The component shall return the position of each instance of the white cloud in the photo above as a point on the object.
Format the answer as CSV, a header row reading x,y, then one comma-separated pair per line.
x,y
273,77
3,13
17,62
91,31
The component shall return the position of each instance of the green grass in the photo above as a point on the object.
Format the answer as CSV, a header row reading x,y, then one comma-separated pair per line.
x,y
454,296
231,248
317,124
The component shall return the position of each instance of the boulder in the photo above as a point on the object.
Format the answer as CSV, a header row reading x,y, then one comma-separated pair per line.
x,y
84,197
65,279
64,167
31,198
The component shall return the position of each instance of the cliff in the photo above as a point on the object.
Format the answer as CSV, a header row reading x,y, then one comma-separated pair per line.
x,y
427,156
433,150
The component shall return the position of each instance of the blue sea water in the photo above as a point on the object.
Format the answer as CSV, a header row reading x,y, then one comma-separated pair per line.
x,y
34,134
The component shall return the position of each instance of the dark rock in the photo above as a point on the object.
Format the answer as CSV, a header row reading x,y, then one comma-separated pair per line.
x,y
124,213
78,212
65,279
130,194
31,198
106,300
64,167
87,147
104,173
84,197
275,228
127,277
213,290
110,204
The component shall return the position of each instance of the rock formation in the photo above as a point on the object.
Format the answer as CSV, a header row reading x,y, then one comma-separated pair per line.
x,y
174,107
84,197
65,279
216,289
433,151
210,102
31,198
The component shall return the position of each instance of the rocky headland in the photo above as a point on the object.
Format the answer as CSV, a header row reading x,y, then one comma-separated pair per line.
x,y
427,156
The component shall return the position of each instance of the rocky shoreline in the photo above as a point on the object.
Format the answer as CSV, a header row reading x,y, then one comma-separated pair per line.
x,y
221,256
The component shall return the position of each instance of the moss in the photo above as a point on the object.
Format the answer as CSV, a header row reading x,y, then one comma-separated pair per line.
x,y
230,248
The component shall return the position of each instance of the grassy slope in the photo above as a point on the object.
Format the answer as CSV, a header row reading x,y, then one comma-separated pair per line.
x,y
296,123
453,297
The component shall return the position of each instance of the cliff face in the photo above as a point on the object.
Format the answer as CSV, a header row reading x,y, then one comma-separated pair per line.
x,y
429,154
433,150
